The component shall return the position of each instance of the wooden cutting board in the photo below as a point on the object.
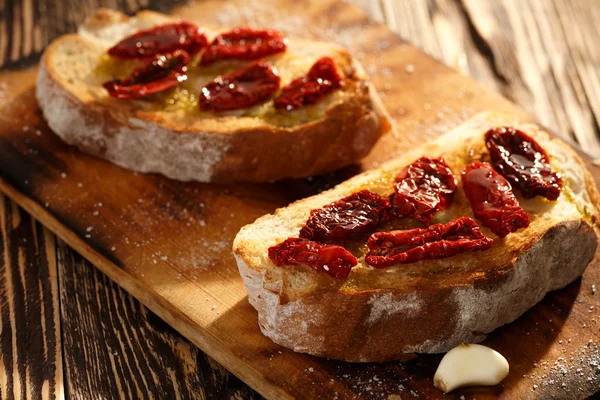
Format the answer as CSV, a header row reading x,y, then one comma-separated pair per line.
x,y
168,243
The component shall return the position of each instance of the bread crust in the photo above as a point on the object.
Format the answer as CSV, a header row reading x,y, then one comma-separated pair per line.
x,y
223,150
372,322
384,325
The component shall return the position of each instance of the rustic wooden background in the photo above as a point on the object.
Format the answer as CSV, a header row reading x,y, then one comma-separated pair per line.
x,y
67,330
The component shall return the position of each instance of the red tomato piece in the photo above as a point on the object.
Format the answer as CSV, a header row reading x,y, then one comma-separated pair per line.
x,y
244,44
358,213
329,258
423,188
163,72
492,199
435,242
523,162
161,39
322,78
241,88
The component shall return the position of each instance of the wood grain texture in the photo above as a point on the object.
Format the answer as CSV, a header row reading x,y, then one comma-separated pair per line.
x,y
116,348
450,30
28,26
541,54
30,342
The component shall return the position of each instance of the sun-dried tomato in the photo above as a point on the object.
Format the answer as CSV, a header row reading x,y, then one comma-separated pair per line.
x,y
493,200
423,188
523,162
242,88
330,258
358,213
161,39
244,44
163,72
322,78
437,241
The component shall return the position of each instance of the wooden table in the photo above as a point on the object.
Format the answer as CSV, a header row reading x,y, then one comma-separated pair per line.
x,y
66,329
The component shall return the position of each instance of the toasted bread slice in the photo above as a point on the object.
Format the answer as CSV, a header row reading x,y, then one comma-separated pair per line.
x,y
428,306
168,134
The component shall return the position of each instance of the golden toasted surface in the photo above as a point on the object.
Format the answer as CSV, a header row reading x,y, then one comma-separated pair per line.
x,y
177,108
458,148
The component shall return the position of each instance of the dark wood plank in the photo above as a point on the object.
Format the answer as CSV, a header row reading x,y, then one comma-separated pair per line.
x,y
28,26
541,54
116,348
30,342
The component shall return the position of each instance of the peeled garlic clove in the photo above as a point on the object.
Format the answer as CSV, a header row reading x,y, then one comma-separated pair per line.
x,y
470,365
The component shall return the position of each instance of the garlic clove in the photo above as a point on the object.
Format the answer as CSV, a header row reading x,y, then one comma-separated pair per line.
x,y
470,365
